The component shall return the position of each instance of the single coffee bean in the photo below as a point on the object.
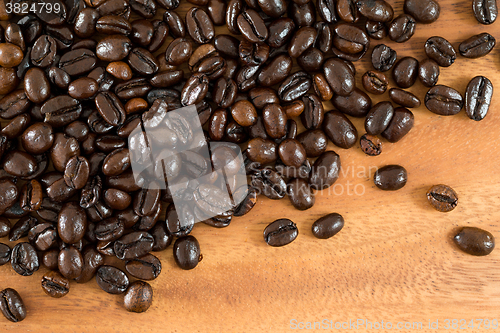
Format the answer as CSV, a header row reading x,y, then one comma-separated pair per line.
x,y
375,10
485,11
280,31
113,48
77,172
217,11
301,41
383,57
55,285
9,196
400,124
375,82
36,85
321,87
16,126
61,110
300,194
14,104
251,25
478,97
280,232
328,226
22,227
340,130
348,11
402,28
49,259
270,183
4,227
404,98
350,42
356,105
24,259
440,50
477,46
147,267
313,114
294,87
292,153
391,177
247,203
139,297
274,119
442,197
428,72
12,305
244,113
405,72
274,8
71,222
5,252
424,11
325,170
379,117
187,252
8,80
371,145
314,142
43,236
444,100
11,55
474,241
109,229
276,71
339,76
199,25
133,245
376,30
112,280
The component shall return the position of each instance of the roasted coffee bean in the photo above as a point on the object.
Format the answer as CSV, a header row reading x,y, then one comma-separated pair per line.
x,y
72,222
424,11
274,8
217,11
376,30
146,201
340,129
195,89
405,72
14,35
253,54
348,11
43,236
324,37
350,42
391,177
113,24
49,210
314,142
313,114
478,97
280,31
244,113
325,170
371,145
113,48
4,227
300,194
227,45
44,51
22,227
402,28
477,46
375,10
19,163
142,61
440,50
78,61
276,71
474,241
59,78
301,41
443,198
147,267
36,85
109,229
428,72
217,124
383,57
328,226
24,259
83,88
270,183
5,252
12,305
166,78
280,232
8,80
11,55
77,172
110,108
199,25
14,104
49,259
187,252
134,88
311,60
322,87
274,119
246,198
133,245
444,100
262,96
485,11
63,149
117,199
401,123
251,25
175,23
55,285
404,98
327,10
112,280
92,260
292,153
85,24
356,105
262,151
139,297
375,82
175,226
339,77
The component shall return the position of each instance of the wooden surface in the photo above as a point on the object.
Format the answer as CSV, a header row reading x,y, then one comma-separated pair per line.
x,y
393,261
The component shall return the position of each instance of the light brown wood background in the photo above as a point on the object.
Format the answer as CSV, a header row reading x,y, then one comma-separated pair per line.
x,y
393,261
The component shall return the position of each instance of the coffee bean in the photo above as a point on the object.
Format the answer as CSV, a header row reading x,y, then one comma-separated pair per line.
x,y
339,77
328,226
383,57
4,227
36,85
477,45
22,227
11,55
440,50
24,259
478,97
371,145
474,241
376,30
43,236
485,11
405,72
348,11
247,203
340,130
5,252
133,245
8,80
280,232
139,297
251,25
443,198
325,170
276,71
356,105
280,31
444,100
113,48
379,117
12,305
199,25
300,194
400,124
55,285
350,42
147,267
428,72
391,177
14,104
269,183
92,260
71,222
112,280
244,113
314,142
424,11
187,252
404,98
375,10
375,82
402,28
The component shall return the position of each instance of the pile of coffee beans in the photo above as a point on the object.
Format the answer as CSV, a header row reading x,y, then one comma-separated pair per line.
x,y
78,80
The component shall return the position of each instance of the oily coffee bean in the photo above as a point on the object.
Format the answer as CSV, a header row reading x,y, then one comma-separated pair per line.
x,y
328,226
113,24
350,42
247,203
270,183
274,8
145,8
22,227
217,11
227,45
478,97
61,110
391,177
175,226
11,55
43,236
321,87
139,297
166,78
327,10
16,126
4,227
402,28
356,105
375,10
314,142
217,124
444,100
474,241
187,252
109,229
9,80
133,88
49,259
244,113
38,138
133,245
77,172
112,280
83,88
280,31
195,89
19,164
375,82
147,267
199,25
113,48
294,87
348,11
383,57
274,119
92,260
376,30
440,50
340,130
262,150
55,285
339,76
78,61
325,170
280,232
443,198
405,72
400,124
142,61
428,72
71,222
276,71
424,11
292,153
211,199
313,114
5,252
110,108
251,26
324,37
12,305
14,104
311,60
24,259
261,96
301,41
485,11
379,117
300,194
162,237
63,149
36,85
44,51
404,98
371,145
477,46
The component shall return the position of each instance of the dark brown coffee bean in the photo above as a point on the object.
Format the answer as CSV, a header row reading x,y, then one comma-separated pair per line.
x,y
428,72
356,105
12,305
251,25
55,285
391,177
440,50
281,232
43,236
375,10
199,25
112,280
187,252
77,172
22,227
276,71
269,182
402,28
31,196
405,72
36,85
375,82
314,142
14,104
8,80
292,153
92,260
400,124
244,113
5,252
404,98
328,226
71,223
24,259
19,164
424,11
313,114
262,151
478,97
485,11
274,119
443,198
322,87
474,241
340,129
444,100
383,57
325,170
139,297
379,117
348,11
350,42
4,227
300,194
477,46
339,77
371,145
147,267
113,48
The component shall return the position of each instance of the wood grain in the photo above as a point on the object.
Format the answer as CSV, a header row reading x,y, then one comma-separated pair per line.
x,y
393,261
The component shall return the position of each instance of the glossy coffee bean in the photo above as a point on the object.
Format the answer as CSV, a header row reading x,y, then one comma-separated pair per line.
x,y
187,252
280,31
147,267
402,28
270,183
391,177
11,55
77,172
300,194
24,259
276,71
350,42
22,227
325,170
474,241
36,85
424,11
356,105
428,72
292,153
55,285
14,104
274,119
30,198
63,149
383,57
375,10
444,100
313,114
478,97
404,98
199,25
440,50
43,236
112,280
5,252
314,142
251,26
4,227
247,203
92,260
375,82
19,164
339,77
485,11
321,87
328,226
400,124
244,113
348,11
133,245
379,117
442,197
340,130
72,223
12,305
405,72
113,48
8,80
139,297
370,145
280,233
477,45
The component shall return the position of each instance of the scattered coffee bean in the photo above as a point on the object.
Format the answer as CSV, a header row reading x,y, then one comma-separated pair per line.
x,y
391,178
281,232
478,97
139,297
474,241
371,145
443,198
12,305
55,285
328,226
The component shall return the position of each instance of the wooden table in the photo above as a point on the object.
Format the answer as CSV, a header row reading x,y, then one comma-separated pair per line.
x,y
394,261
